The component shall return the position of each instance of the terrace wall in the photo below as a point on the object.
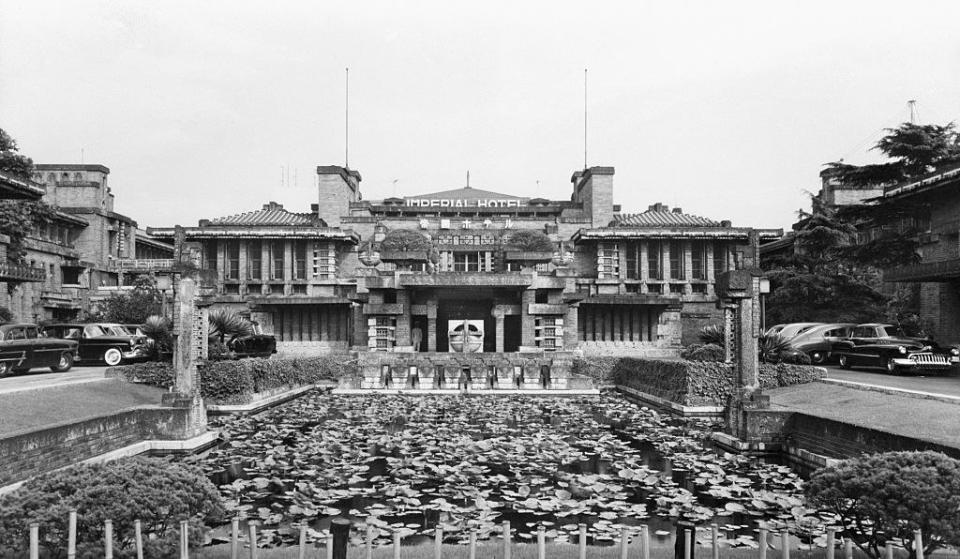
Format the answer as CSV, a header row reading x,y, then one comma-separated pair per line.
x,y
23,455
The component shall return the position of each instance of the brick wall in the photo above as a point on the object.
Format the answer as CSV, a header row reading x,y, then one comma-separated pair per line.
x,y
27,454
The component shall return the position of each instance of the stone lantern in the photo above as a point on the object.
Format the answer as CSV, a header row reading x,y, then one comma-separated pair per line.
x,y
370,258
562,258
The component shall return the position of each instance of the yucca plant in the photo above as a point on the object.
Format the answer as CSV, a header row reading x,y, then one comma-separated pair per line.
x,y
773,346
712,334
226,325
159,330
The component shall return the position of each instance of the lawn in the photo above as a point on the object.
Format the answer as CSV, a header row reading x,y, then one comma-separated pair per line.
x,y
35,409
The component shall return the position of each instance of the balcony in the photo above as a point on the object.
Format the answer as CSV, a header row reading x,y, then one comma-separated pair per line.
x,y
21,272
144,264
927,271
93,184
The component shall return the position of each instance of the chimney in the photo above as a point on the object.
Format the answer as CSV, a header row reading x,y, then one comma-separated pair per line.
x,y
659,207
726,223
677,211
593,188
272,206
337,188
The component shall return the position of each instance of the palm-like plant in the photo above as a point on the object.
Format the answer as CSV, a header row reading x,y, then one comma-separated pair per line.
x,y
774,346
712,334
226,325
159,330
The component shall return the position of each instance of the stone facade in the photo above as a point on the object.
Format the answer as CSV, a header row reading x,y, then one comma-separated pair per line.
x,y
512,274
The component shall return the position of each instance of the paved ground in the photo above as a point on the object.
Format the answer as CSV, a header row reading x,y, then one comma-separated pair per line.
x,y
43,378
909,416
940,384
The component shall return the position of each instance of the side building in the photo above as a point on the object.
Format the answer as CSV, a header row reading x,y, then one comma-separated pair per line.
x,y
426,272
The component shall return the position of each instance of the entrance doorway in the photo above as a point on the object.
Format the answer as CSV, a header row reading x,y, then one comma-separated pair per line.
x,y
512,333
418,323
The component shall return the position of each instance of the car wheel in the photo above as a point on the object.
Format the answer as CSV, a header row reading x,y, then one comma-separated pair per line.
x,y
817,357
844,362
6,368
65,363
112,357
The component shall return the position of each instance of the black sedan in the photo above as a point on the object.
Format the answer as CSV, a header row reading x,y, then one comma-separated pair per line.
x,y
109,343
882,345
24,346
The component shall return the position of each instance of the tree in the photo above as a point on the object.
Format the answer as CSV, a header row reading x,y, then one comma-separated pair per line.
x,y
530,241
19,217
405,240
135,306
225,325
887,496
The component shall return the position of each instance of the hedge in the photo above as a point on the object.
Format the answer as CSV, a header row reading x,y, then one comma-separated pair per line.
x,y
691,383
235,381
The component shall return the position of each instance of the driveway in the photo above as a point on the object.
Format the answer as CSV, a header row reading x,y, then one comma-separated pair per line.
x,y
43,378
948,384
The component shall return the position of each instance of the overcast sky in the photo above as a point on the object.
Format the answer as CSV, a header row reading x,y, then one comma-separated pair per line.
x,y
726,109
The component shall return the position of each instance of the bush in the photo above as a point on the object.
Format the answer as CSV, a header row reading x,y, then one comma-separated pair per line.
x,y
796,358
887,496
703,352
712,334
157,492
234,381
599,369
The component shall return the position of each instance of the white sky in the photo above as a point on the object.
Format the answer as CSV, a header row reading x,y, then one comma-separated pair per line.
x,y
727,109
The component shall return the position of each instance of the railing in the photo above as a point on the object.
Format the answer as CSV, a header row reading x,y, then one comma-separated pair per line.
x,y
336,542
21,272
145,264
927,271
78,183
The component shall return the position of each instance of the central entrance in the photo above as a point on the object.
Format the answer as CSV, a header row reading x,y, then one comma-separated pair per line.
x,y
472,308
453,311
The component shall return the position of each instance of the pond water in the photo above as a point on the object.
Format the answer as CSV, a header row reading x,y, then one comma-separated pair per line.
x,y
412,463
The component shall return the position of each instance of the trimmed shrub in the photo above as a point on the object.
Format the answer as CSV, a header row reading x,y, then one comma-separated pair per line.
x,y
599,369
887,496
157,492
696,383
703,352
235,381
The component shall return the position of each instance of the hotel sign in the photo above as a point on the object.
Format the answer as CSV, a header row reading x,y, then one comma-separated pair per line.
x,y
460,203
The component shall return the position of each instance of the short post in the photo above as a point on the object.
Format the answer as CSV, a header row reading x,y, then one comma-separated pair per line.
x,y
340,528
34,541
889,550
253,540
715,540
831,542
396,545
184,539
72,536
138,538
680,549
644,542
303,540
624,542
235,538
473,544
108,539
848,548
438,544
369,541
329,544
763,541
583,540
541,542
687,544
785,544
506,539
918,543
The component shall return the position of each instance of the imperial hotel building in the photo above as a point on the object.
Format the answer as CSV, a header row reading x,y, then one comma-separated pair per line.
x,y
427,271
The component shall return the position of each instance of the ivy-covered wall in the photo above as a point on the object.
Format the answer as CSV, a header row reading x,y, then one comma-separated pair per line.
x,y
690,383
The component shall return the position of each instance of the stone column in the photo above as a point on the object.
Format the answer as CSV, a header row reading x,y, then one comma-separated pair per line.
x,y
432,325
498,317
571,327
189,337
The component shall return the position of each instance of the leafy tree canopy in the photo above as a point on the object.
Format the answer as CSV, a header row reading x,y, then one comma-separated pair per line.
x,y
531,241
19,217
407,240
887,496
133,307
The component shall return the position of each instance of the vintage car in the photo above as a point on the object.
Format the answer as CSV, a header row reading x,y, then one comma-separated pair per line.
x,y
24,346
253,345
883,345
818,341
789,331
110,343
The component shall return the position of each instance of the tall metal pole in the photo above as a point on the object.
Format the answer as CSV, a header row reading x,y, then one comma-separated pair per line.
x,y
584,118
346,123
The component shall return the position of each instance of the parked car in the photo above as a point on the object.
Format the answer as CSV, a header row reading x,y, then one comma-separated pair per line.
x,y
110,343
256,344
24,346
789,331
818,341
882,345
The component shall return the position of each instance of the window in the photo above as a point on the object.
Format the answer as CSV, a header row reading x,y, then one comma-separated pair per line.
x,y
467,261
633,260
276,260
210,254
655,260
676,260
233,260
719,257
16,334
608,260
300,260
699,259
390,297
541,296
254,260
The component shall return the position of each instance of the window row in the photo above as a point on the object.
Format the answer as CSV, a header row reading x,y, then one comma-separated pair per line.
x,y
663,259
270,260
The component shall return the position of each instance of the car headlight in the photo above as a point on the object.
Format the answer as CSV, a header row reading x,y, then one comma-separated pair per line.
x,y
902,350
955,351
133,343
